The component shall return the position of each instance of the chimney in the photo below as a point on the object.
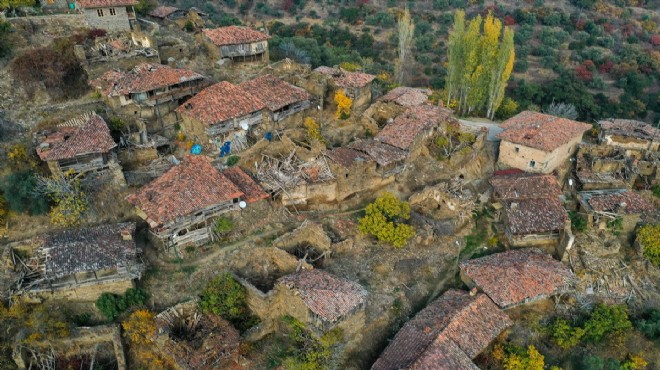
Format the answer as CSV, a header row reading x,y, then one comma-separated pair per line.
x,y
126,235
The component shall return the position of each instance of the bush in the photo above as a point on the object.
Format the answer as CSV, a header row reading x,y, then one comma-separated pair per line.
x,y
384,220
19,189
578,222
309,352
564,334
232,160
605,320
226,297
648,237
656,191
519,358
112,305
223,225
5,44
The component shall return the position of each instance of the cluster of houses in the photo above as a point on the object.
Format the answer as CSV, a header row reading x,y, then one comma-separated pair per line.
x,y
181,205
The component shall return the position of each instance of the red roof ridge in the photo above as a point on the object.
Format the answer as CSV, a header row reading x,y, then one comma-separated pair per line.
x,y
234,35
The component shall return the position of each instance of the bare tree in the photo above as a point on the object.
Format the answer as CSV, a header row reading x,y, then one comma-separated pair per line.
x,y
406,29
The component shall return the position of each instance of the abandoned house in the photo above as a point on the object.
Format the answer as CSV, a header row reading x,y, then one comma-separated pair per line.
x,y
222,113
616,209
167,13
150,91
532,211
80,263
109,15
79,145
181,206
236,44
193,340
390,160
629,134
356,85
282,99
537,142
517,276
447,334
407,96
411,129
603,167
315,297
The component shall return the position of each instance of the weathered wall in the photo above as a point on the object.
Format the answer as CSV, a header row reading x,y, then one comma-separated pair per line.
x,y
95,68
630,142
108,22
88,292
546,162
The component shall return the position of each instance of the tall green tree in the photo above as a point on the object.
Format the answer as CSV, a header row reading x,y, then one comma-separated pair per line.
x,y
406,29
480,62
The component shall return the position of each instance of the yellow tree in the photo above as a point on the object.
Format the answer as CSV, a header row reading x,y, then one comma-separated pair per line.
x,y
140,330
406,29
472,69
505,58
344,104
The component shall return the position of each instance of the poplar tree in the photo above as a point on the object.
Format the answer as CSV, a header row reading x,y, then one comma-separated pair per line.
x,y
479,63
406,29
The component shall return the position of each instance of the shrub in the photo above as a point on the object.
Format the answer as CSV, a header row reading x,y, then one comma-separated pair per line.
x,y
112,305
384,220
648,237
517,358
562,110
605,320
344,104
232,160
309,352
19,190
564,334
313,130
578,222
5,44
224,296
656,191
223,225
649,324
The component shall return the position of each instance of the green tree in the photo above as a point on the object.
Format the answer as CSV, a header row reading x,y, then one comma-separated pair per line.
x,y
406,29
20,192
5,44
226,297
384,219
518,358
649,324
648,237
605,320
113,305
564,334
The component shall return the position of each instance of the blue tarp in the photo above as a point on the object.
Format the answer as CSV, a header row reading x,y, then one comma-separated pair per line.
x,y
225,149
196,149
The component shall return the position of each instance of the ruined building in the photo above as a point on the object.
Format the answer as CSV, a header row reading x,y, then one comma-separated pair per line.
x,y
356,85
79,145
617,209
109,15
181,206
629,134
447,334
236,44
79,263
537,142
283,100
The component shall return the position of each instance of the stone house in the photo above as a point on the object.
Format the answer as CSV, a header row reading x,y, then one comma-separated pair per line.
x,y
223,113
516,276
283,100
167,13
81,263
532,211
447,334
79,145
109,15
537,142
602,207
150,91
315,297
182,205
407,96
356,85
236,44
629,134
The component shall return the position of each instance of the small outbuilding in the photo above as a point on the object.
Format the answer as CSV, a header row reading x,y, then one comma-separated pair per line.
x,y
282,99
236,44
356,85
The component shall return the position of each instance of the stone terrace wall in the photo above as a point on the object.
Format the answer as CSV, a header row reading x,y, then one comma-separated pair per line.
x,y
55,25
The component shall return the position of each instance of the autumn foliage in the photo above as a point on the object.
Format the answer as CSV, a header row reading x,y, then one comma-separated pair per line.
x,y
384,219
139,331
648,237
344,104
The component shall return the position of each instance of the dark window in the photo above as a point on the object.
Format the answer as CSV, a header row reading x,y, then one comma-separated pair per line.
x,y
532,163
517,149
112,11
99,12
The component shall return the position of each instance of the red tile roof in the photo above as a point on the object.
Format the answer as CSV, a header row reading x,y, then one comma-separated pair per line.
x,y
184,189
525,185
276,93
383,154
541,131
534,216
89,249
221,102
407,96
345,79
87,135
105,3
233,35
346,157
412,123
246,184
144,77
620,202
517,276
163,11
326,295
443,354
469,322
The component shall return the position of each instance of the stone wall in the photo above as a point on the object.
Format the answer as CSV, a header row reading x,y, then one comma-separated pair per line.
x,y
108,22
521,157
87,292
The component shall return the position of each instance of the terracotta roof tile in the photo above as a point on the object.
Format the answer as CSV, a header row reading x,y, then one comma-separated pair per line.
x,y
412,123
407,96
443,354
90,135
470,322
144,77
534,216
192,185
345,79
383,154
221,102
346,157
163,12
105,3
276,93
630,128
89,249
620,202
524,186
326,295
516,276
233,35
541,131
246,184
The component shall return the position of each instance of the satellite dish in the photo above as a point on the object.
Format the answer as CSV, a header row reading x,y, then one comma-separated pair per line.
x,y
242,204
244,126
